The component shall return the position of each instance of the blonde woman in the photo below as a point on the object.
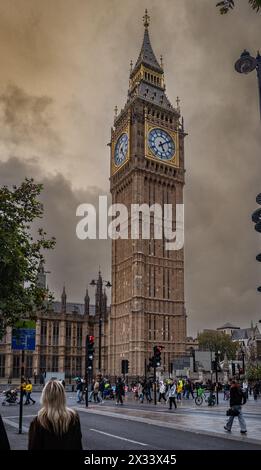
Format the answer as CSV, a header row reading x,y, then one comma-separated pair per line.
x,y
56,426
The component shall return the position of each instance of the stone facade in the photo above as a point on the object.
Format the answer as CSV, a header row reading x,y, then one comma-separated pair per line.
x,y
61,339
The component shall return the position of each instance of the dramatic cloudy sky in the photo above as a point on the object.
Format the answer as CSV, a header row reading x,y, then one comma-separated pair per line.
x,y
65,65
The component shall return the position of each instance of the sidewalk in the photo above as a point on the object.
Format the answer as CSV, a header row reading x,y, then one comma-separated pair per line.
x,y
201,420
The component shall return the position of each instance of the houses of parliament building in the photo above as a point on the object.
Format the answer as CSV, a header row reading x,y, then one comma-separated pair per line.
x,y
147,302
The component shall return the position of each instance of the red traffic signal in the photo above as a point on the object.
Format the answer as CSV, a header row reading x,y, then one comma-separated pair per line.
x,y
90,339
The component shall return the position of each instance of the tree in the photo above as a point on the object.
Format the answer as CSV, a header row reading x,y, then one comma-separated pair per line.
x,y
21,253
218,341
253,372
227,5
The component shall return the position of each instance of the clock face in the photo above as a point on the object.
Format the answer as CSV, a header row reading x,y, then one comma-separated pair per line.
x,y
161,144
121,149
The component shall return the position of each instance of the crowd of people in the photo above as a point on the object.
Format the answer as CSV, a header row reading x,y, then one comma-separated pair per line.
x,y
58,427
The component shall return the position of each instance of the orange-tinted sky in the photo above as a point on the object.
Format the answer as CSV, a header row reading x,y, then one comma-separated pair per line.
x,y
65,65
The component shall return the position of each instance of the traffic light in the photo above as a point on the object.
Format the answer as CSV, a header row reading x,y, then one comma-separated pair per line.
x,y
233,369
157,355
89,351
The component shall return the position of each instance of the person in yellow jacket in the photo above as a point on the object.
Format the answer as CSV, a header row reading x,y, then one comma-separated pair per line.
x,y
29,389
179,389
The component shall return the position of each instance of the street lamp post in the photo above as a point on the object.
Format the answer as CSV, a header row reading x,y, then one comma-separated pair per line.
x,y
256,218
192,353
246,64
99,301
243,360
217,355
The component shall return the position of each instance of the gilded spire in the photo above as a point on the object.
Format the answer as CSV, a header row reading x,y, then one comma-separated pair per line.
x,y
146,19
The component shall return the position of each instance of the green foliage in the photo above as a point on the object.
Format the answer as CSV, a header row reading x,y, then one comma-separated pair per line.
x,y
218,341
253,372
20,253
226,5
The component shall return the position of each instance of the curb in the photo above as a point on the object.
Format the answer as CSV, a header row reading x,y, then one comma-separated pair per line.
x,y
154,422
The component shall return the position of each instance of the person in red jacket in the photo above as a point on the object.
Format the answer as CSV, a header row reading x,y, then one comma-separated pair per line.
x,y
56,426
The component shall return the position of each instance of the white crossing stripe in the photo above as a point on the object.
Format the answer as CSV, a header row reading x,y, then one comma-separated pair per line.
x,y
15,425
119,437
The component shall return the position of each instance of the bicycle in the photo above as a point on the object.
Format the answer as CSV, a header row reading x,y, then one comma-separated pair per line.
x,y
200,398
210,400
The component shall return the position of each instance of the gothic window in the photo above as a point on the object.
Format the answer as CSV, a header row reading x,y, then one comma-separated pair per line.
x,y
68,334
67,366
2,365
55,363
163,283
150,281
79,335
55,333
43,332
16,365
150,335
42,362
78,366
29,364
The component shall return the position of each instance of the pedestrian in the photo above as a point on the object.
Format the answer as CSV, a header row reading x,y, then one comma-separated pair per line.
x,y
162,391
79,390
172,395
119,391
28,391
237,398
4,442
56,427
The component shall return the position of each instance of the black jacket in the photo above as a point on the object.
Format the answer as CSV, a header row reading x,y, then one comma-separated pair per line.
x,y
236,396
4,443
40,438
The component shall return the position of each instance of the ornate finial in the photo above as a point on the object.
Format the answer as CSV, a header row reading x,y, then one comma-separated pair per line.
x,y
161,61
146,19
131,65
178,103
115,111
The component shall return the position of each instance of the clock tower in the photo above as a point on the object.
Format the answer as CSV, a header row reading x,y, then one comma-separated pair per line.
x,y
147,167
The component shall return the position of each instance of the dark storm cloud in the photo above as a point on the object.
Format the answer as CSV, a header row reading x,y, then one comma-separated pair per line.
x,y
25,119
76,53
73,262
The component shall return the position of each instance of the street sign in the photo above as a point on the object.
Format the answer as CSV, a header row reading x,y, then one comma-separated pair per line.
x,y
23,336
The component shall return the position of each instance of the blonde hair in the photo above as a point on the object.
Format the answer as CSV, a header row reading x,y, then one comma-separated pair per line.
x,y
54,414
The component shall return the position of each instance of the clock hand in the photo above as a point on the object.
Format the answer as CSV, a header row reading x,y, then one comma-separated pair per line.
x,y
161,144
